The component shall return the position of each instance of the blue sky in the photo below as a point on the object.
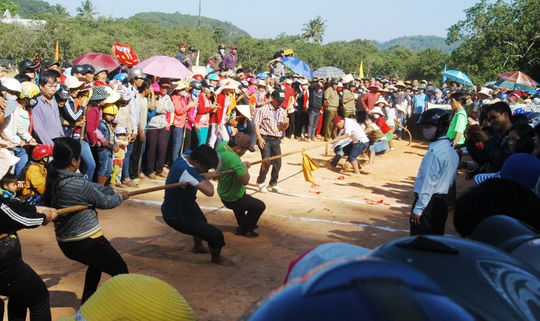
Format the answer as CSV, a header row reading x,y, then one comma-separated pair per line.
x,y
347,20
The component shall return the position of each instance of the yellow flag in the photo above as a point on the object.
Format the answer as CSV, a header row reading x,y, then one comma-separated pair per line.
x,y
57,51
361,71
308,165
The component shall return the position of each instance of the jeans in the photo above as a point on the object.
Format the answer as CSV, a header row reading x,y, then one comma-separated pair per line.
x,y
21,284
313,121
88,164
247,211
105,158
271,148
125,165
100,257
178,139
23,159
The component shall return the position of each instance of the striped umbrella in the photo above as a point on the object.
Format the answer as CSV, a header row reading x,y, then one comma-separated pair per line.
x,y
518,80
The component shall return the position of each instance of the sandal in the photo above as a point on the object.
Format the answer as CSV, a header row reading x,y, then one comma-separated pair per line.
x,y
249,235
131,184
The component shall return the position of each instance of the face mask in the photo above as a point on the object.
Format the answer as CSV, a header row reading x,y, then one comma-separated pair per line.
x,y
376,116
183,93
222,51
10,97
195,92
429,133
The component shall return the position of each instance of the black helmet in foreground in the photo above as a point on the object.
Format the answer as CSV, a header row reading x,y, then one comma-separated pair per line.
x,y
434,116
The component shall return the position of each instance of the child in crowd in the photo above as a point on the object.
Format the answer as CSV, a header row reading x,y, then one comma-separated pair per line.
x,y
380,120
8,185
36,175
108,145
378,141
119,155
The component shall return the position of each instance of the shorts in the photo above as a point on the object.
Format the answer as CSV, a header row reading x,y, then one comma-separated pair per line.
x,y
105,159
380,146
358,149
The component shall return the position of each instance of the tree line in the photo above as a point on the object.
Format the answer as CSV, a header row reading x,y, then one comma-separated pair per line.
x,y
495,37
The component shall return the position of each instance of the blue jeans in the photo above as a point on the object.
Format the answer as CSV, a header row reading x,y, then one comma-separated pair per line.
x,y
178,137
88,164
23,159
125,165
352,150
105,158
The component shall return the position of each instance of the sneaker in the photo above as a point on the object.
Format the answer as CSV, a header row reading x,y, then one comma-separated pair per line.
x,y
262,188
392,148
275,189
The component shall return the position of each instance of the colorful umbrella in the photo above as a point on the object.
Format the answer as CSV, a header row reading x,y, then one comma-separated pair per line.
x,y
298,66
516,80
328,72
501,83
458,76
97,59
164,67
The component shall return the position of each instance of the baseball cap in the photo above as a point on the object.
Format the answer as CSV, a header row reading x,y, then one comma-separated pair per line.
x,y
520,167
243,140
336,120
278,95
234,47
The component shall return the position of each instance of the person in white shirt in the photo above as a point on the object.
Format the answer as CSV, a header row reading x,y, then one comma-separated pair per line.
x,y
351,141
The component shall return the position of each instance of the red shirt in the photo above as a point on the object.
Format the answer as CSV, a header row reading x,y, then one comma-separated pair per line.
x,y
381,122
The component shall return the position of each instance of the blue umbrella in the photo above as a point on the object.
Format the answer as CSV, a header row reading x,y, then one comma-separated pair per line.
x,y
458,76
298,66
513,86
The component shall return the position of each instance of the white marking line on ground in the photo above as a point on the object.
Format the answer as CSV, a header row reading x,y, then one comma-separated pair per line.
x,y
302,219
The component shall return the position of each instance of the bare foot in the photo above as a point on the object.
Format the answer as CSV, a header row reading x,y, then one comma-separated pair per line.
x,y
221,260
200,249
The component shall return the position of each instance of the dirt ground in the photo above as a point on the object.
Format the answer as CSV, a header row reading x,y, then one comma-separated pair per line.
x,y
366,210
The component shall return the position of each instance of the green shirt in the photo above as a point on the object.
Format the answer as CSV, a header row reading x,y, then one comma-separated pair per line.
x,y
229,187
458,125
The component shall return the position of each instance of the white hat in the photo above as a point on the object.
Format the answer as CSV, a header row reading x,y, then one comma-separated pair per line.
x,y
376,110
12,84
402,107
72,82
120,130
381,100
7,159
113,96
485,91
226,84
244,110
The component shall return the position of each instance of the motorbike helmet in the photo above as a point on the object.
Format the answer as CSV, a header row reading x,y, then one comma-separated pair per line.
x,y
62,93
122,77
78,69
221,46
88,68
198,77
27,65
41,151
213,77
195,84
191,48
360,289
29,90
486,281
135,72
434,116
503,96
110,109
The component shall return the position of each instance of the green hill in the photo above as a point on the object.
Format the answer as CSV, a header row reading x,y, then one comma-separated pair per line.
x,y
172,20
26,8
417,43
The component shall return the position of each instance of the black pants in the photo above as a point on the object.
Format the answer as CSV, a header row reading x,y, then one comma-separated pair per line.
x,y
247,211
156,150
135,158
100,257
271,148
433,218
21,284
195,224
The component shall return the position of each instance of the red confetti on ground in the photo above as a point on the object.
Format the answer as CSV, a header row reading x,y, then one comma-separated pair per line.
x,y
341,178
375,202
315,185
316,192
